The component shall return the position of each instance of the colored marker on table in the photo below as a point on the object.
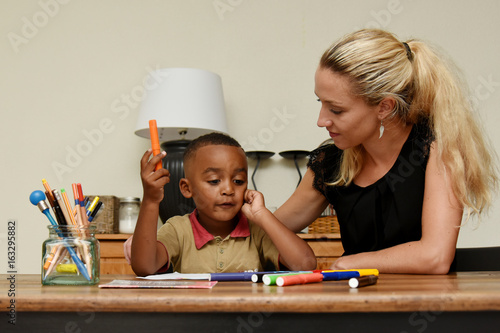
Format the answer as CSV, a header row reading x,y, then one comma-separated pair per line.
x,y
362,271
239,276
257,276
363,281
289,280
345,275
270,279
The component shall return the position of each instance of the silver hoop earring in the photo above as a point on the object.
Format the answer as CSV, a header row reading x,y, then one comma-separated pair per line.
x,y
381,129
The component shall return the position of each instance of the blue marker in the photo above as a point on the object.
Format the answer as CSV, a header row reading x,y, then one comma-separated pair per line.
x,y
37,198
239,276
345,275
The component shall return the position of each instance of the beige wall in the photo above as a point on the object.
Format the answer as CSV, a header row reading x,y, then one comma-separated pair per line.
x,y
66,66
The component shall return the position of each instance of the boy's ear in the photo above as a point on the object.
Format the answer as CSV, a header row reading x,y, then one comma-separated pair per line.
x,y
185,188
386,107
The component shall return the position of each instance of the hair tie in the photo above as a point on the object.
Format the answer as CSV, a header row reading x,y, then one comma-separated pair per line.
x,y
408,51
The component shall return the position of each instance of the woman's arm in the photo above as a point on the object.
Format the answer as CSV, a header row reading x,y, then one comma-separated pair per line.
x,y
434,252
303,207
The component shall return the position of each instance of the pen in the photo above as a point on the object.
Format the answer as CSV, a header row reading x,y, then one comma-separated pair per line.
x,y
68,207
77,205
155,141
48,190
60,254
55,208
60,207
81,199
50,257
96,210
92,206
363,281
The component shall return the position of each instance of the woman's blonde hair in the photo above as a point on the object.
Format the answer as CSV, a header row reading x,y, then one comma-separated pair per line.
x,y
423,86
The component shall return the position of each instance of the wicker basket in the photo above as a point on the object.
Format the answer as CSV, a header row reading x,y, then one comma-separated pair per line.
x,y
324,225
107,220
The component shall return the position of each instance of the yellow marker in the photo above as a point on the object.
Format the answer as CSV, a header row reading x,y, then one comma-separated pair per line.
x,y
67,268
93,204
362,272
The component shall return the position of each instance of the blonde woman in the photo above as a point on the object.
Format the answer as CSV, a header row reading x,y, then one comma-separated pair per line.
x,y
407,163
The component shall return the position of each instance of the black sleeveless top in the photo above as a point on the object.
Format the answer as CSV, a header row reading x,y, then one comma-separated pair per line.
x,y
383,214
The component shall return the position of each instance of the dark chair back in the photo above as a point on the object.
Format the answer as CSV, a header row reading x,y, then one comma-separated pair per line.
x,y
476,259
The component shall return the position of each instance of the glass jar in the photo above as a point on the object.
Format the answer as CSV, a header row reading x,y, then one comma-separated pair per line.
x,y
129,212
70,256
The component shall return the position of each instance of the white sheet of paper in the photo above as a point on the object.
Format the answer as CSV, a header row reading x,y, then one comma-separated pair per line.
x,y
176,276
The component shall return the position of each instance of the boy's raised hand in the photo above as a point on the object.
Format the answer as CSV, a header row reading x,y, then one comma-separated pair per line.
x,y
153,181
254,205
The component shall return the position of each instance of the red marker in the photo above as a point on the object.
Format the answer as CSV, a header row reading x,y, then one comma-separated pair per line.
x,y
289,280
81,199
155,141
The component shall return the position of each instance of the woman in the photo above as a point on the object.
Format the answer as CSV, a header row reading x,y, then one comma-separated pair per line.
x,y
407,158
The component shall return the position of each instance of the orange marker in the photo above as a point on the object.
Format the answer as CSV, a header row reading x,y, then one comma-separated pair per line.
x,y
155,141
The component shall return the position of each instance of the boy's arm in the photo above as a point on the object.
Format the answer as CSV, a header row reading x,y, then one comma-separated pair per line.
x,y
147,254
294,251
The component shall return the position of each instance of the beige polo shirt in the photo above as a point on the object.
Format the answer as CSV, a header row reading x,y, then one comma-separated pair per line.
x,y
192,249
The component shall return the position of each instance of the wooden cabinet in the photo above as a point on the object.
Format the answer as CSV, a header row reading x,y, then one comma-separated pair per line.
x,y
112,257
326,247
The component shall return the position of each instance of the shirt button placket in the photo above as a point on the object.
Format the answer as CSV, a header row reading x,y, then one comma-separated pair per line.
x,y
220,253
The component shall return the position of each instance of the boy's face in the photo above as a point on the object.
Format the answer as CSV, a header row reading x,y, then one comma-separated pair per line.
x,y
216,180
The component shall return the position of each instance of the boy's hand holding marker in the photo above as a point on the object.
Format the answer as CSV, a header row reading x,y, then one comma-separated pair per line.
x,y
153,176
153,181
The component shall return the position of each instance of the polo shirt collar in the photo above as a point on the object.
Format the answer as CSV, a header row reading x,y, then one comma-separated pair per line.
x,y
202,236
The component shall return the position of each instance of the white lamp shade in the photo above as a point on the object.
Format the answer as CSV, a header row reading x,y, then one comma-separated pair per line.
x,y
182,99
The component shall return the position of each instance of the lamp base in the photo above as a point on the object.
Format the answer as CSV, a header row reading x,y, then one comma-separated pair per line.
x,y
174,203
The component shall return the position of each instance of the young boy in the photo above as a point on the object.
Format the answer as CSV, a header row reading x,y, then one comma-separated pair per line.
x,y
229,231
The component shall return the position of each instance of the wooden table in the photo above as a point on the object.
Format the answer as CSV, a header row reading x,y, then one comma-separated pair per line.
x,y
459,302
